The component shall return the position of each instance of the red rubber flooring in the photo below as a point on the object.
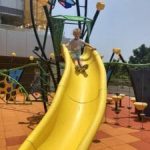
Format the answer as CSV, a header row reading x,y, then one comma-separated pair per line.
x,y
17,121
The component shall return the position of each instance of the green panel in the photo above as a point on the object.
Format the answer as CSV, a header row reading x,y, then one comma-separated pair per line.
x,y
72,18
57,27
88,24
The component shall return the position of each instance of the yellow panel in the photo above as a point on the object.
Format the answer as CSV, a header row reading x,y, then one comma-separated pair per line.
x,y
77,109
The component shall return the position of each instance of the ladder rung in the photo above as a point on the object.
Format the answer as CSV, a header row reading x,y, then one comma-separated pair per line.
x,y
81,6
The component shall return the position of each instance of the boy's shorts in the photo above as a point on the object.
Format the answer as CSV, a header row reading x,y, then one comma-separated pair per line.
x,y
75,55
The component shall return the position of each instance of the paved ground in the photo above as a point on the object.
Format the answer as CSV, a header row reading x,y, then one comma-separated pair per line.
x,y
17,121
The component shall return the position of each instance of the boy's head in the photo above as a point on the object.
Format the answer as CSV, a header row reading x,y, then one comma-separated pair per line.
x,y
77,33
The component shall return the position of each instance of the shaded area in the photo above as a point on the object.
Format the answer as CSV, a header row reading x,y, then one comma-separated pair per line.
x,y
141,86
33,120
126,115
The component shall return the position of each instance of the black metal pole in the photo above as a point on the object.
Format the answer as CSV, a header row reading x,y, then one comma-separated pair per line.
x,y
108,69
129,73
93,23
43,58
52,4
95,18
122,59
78,12
110,60
45,37
56,57
35,31
44,91
85,15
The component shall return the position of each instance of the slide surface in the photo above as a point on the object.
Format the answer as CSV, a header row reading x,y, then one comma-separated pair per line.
x,y
77,109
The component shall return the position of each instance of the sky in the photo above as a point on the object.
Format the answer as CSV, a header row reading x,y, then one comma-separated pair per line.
x,y
124,24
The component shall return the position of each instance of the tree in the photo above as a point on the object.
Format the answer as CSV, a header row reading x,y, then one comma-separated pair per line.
x,y
141,55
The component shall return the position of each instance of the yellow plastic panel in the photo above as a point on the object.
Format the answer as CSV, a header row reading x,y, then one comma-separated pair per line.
x,y
77,109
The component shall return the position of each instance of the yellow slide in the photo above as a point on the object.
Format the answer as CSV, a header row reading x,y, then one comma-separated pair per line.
x,y
77,109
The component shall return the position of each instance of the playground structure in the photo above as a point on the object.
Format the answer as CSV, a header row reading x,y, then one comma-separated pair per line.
x,y
137,101
47,77
69,109
54,24
11,83
74,113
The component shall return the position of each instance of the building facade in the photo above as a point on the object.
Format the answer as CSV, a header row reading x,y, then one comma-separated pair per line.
x,y
11,12
17,12
21,41
14,13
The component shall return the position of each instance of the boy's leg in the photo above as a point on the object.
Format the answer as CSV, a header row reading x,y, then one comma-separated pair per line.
x,y
83,68
78,64
77,67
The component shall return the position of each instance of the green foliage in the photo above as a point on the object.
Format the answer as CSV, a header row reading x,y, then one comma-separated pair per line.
x,y
140,59
141,55
120,75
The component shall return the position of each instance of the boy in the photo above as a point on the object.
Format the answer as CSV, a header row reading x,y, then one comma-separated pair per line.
x,y
75,46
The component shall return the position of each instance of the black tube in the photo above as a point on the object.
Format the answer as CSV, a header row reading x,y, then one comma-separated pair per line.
x,y
38,41
56,57
43,92
93,23
35,31
109,68
38,55
95,18
78,12
52,4
122,59
45,37
85,16
111,57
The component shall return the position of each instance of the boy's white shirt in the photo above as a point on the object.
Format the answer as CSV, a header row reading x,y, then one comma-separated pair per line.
x,y
75,45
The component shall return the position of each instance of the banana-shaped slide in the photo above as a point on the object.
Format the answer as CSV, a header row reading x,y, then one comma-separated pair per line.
x,y
77,109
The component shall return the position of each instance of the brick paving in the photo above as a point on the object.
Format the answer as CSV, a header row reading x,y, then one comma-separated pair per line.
x,y
17,121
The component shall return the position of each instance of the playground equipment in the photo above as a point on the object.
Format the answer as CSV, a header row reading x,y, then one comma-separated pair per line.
x,y
140,107
10,84
75,114
139,79
55,25
13,88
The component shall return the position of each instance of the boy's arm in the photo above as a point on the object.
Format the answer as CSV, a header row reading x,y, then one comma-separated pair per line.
x,y
87,44
68,45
